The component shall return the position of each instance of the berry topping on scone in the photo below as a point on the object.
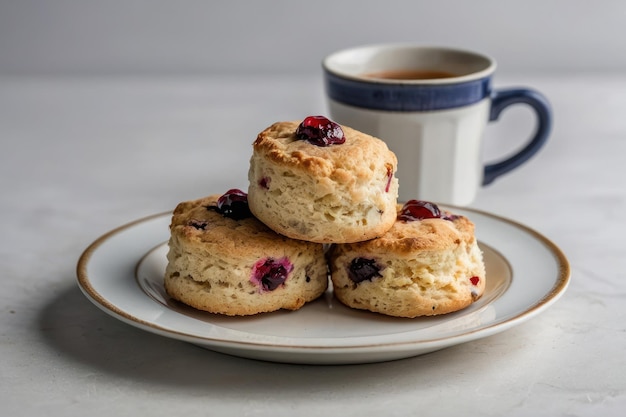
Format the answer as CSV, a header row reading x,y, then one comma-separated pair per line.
x,y
363,269
234,204
418,210
320,131
271,273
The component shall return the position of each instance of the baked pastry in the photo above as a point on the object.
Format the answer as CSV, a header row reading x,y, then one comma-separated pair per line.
x,y
223,260
322,182
428,263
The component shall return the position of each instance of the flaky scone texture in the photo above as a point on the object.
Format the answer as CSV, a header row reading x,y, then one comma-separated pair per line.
x,y
427,267
339,193
212,261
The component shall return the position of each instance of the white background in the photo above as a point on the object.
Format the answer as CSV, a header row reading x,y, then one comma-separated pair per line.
x,y
201,37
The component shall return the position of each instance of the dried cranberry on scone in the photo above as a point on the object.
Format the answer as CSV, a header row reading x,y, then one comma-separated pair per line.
x,y
318,181
428,263
223,260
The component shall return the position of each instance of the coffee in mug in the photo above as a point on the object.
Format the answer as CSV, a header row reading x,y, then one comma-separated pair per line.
x,y
416,74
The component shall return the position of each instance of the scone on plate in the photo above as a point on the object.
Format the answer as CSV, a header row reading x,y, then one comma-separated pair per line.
x,y
223,260
318,181
428,263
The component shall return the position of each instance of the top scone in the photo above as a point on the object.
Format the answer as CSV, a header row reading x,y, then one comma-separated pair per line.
x,y
334,193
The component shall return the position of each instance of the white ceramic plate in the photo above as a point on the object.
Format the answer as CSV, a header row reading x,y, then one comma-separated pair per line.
x,y
122,273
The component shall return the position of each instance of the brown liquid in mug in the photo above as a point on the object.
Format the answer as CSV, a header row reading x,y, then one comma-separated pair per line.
x,y
410,74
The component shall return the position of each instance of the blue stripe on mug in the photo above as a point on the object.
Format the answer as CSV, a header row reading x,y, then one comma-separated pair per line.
x,y
405,97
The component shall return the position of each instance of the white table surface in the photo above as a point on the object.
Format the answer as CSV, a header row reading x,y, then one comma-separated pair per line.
x,y
79,157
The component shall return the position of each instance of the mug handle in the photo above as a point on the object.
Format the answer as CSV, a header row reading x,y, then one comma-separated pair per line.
x,y
500,99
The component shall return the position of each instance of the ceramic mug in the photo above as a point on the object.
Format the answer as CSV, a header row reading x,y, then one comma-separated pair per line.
x,y
431,106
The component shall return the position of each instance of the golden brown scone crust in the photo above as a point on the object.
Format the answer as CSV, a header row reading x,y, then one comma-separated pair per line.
x,y
346,162
212,257
338,193
428,267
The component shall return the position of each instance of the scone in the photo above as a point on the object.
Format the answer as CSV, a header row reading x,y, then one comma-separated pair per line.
x,y
223,260
428,263
322,182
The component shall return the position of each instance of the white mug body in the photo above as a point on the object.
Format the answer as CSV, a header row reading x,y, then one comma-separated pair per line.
x,y
439,152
